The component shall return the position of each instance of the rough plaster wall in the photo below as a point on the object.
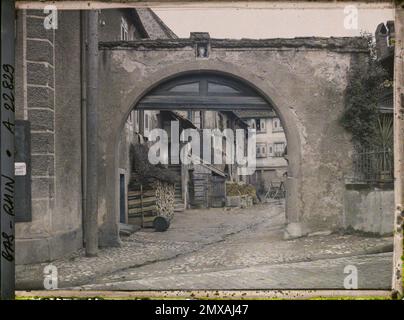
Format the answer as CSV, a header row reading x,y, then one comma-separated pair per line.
x,y
326,153
127,138
369,210
67,216
309,83
110,25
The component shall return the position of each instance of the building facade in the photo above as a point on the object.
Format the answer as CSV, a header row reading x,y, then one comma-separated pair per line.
x,y
271,151
50,99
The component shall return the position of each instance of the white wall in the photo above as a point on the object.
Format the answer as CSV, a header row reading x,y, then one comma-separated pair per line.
x,y
268,136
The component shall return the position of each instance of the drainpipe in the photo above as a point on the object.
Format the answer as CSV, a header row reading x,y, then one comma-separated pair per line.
x,y
83,45
91,213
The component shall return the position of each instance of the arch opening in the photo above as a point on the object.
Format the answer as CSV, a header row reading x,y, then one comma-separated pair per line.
x,y
207,100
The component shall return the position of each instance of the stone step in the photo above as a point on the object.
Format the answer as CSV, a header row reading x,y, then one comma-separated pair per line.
x,y
127,229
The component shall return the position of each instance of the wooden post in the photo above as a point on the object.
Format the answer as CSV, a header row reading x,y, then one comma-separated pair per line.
x,y
398,151
141,204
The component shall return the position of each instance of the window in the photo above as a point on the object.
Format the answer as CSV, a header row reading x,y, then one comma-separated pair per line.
x,y
221,88
261,149
271,150
262,125
197,119
220,122
124,30
279,149
258,124
190,87
276,125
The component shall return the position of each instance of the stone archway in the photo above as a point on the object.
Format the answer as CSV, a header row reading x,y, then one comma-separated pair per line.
x,y
112,126
305,79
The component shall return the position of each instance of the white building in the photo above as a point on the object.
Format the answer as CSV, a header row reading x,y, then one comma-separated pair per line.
x,y
270,149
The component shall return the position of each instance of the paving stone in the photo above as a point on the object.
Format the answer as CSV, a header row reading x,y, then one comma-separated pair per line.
x,y
222,249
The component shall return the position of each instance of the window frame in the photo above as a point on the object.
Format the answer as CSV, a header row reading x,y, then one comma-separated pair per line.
x,y
124,30
260,147
279,154
277,125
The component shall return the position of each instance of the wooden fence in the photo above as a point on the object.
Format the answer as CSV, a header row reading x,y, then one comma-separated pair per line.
x,y
142,205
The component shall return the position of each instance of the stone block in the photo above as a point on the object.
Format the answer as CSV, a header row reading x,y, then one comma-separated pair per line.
x,y
42,142
40,51
43,187
41,120
42,165
40,97
36,29
40,74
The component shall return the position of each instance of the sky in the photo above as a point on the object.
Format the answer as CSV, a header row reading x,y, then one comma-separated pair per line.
x,y
287,22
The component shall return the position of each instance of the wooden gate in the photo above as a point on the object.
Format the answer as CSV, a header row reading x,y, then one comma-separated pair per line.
x,y
218,191
199,190
142,207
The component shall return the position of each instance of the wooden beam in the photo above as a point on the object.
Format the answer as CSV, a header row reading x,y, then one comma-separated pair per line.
x,y
202,103
203,100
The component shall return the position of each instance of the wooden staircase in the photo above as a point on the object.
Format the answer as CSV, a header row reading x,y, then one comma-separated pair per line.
x,y
179,201
179,204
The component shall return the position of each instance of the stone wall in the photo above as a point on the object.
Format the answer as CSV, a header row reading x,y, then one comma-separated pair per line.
x,y
369,209
48,95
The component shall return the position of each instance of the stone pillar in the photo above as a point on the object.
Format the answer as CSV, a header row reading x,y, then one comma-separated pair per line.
x,y
295,228
40,68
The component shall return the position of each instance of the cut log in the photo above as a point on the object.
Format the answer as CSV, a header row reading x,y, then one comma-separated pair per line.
x,y
161,223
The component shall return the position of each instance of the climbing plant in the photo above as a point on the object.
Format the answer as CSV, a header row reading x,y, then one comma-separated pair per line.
x,y
367,82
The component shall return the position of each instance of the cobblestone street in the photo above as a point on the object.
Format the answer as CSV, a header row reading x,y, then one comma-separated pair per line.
x,y
223,249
